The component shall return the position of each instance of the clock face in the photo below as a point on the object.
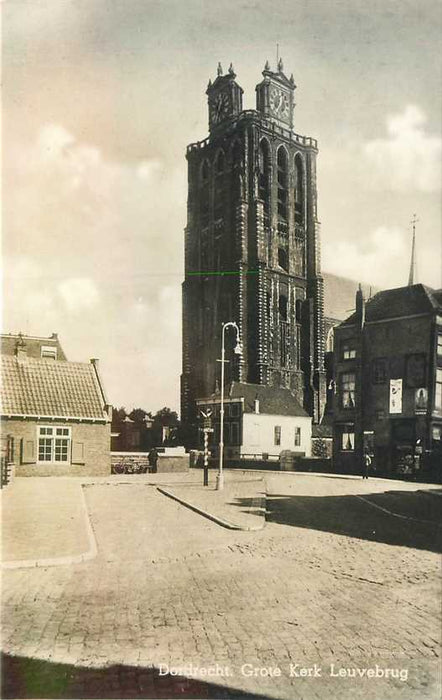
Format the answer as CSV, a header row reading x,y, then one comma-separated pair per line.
x,y
219,107
279,103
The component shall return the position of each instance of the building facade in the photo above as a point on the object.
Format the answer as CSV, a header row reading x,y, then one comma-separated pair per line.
x,y
252,247
54,412
388,373
259,421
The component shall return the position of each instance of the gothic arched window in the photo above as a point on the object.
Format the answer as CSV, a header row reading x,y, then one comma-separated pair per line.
x,y
283,260
204,190
264,174
220,167
237,160
298,314
299,190
282,162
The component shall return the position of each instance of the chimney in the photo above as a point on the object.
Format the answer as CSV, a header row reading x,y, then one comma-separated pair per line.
x,y
360,308
20,348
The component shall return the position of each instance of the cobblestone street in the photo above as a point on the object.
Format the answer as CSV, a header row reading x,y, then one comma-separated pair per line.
x,y
331,580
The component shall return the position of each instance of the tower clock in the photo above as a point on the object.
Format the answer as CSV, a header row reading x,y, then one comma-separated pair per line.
x,y
224,97
274,95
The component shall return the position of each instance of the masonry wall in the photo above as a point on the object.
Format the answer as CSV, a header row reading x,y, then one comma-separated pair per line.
x,y
139,462
94,437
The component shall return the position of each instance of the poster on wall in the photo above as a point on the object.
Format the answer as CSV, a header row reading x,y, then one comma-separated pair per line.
x,y
421,400
395,395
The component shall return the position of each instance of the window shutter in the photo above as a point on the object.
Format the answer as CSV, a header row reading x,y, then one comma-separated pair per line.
x,y
77,456
27,452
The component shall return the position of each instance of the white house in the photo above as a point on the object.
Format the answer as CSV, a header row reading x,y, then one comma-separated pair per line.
x,y
258,420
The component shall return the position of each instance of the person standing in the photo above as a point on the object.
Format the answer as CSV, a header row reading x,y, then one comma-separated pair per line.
x,y
153,459
367,465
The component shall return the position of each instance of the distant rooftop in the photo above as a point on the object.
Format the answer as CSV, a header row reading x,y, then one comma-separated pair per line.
x,y
272,400
403,301
35,346
339,295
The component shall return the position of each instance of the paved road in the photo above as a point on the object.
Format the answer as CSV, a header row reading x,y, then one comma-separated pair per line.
x,y
332,579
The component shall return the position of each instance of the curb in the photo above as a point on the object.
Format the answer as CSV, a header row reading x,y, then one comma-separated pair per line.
x,y
257,502
61,561
325,475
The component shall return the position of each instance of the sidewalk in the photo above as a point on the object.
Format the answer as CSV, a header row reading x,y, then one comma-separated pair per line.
x,y
45,523
240,505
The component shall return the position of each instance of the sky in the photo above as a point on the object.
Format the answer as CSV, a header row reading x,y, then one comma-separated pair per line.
x,y
100,100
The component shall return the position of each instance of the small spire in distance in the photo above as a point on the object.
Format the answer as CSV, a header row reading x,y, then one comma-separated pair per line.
x,y
280,65
209,84
267,66
231,71
219,69
412,275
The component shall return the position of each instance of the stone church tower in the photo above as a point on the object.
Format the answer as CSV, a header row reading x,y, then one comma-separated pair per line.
x,y
252,247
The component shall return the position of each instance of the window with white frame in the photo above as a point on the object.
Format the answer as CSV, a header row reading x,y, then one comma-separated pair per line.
x,y
348,438
438,391
277,435
53,444
297,437
348,382
49,352
348,351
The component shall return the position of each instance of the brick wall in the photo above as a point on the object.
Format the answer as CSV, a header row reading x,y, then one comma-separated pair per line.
x,y
94,437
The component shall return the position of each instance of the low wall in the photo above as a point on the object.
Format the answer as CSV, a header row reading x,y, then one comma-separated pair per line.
x,y
138,462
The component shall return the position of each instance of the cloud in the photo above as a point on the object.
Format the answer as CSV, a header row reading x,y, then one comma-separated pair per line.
x,y
409,159
78,294
384,256
95,250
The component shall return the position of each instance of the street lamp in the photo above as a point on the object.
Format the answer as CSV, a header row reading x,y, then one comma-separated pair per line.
x,y
238,351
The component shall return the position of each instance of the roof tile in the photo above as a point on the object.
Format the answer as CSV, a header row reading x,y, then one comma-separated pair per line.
x,y
34,387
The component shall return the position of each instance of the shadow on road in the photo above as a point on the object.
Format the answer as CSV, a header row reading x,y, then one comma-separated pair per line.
x,y
33,678
359,517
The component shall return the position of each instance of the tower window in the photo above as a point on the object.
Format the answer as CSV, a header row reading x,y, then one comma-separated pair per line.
x,y
299,190
237,174
283,260
264,174
204,190
282,183
219,186
282,305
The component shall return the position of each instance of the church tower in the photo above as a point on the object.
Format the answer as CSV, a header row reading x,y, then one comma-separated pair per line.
x,y
252,247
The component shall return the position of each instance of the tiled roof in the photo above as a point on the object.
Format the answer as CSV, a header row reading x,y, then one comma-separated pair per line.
x,y
394,303
50,388
339,295
272,399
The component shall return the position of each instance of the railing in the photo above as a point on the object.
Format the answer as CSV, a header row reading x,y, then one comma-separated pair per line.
x,y
6,472
269,124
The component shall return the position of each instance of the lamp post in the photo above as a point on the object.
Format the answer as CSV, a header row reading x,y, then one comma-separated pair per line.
x,y
238,351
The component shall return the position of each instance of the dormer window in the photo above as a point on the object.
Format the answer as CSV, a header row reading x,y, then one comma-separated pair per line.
x,y
49,352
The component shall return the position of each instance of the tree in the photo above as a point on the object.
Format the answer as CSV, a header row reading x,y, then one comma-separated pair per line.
x,y
118,415
138,415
